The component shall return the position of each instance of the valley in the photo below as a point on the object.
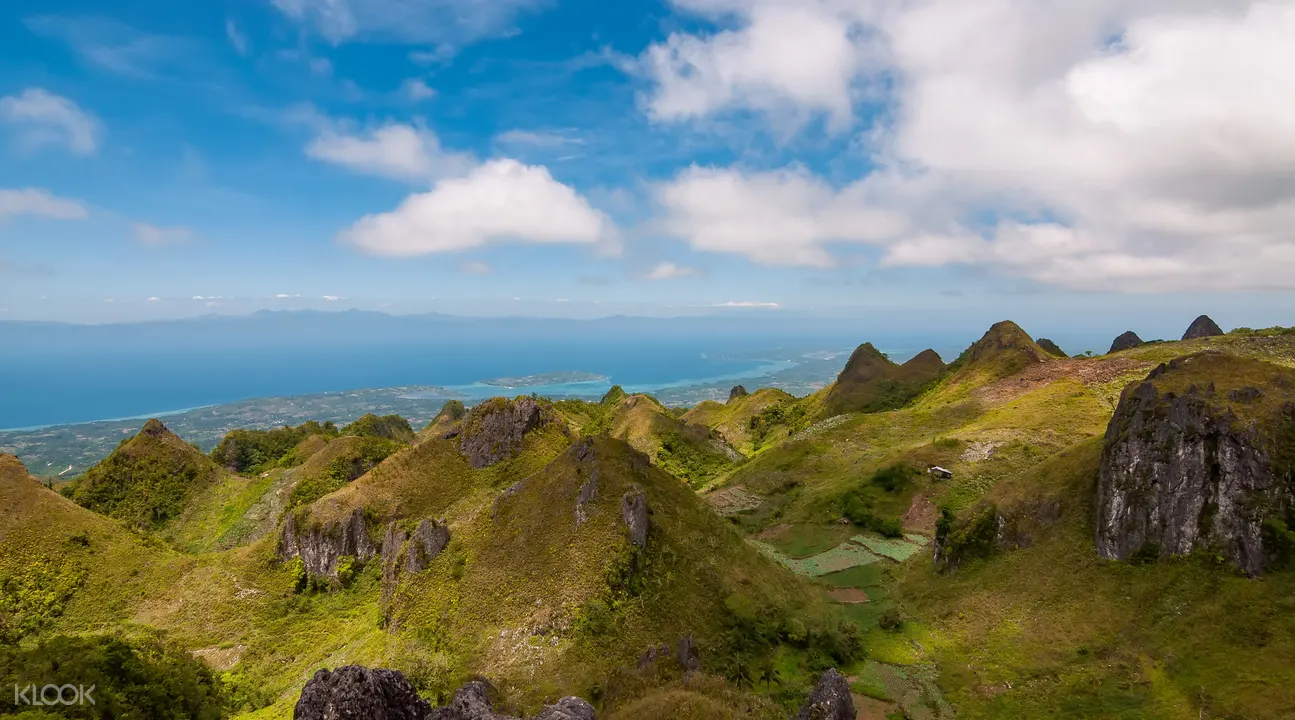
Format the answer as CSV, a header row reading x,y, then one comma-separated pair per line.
x,y
1009,533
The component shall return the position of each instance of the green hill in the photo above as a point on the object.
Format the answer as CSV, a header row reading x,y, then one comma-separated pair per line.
x,y
736,421
148,480
871,382
694,453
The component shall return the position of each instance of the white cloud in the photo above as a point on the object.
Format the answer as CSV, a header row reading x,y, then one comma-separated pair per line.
x,y
333,298
476,267
412,21
417,90
401,152
236,37
120,48
778,218
1136,145
670,271
155,236
34,201
746,304
198,297
500,201
45,118
538,139
787,58
155,299
286,296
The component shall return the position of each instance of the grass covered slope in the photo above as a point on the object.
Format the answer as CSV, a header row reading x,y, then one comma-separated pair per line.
x,y
545,590
693,453
148,480
62,566
736,421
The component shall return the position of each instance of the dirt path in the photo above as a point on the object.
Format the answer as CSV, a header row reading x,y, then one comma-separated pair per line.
x,y
921,515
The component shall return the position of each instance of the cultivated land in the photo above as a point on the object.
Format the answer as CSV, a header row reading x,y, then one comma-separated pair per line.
x,y
607,548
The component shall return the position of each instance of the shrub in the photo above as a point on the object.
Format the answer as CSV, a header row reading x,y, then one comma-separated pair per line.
x,y
132,681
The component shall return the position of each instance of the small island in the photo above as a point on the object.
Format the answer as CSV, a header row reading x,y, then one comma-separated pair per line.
x,y
557,378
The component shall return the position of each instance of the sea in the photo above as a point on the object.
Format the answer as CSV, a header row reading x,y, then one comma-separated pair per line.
x,y
38,390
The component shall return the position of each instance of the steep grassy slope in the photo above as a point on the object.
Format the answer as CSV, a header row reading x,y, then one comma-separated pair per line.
x,y
693,453
734,420
148,480
66,567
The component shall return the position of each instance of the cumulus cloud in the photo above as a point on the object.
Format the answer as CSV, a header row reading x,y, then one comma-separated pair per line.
x,y
401,152
155,236
1139,145
41,203
500,201
43,118
412,21
670,271
785,217
333,298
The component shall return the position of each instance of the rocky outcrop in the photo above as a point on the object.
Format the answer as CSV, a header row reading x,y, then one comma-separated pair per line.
x,y
737,393
495,430
1202,327
359,693
1127,341
322,547
1181,471
634,511
474,702
829,700
1050,347
410,554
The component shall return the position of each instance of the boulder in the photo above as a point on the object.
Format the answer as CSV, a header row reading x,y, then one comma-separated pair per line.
x,y
829,700
1127,341
737,392
359,693
1202,327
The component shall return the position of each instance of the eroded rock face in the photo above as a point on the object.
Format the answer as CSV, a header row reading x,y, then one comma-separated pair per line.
x,y
634,511
1178,473
320,548
829,700
359,693
410,553
1127,341
738,391
1202,327
473,702
494,431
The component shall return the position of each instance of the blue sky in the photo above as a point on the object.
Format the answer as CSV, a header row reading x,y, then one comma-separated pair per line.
x,y
584,158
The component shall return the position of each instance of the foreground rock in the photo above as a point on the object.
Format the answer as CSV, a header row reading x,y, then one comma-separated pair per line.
x,y
359,693
1127,341
1189,465
829,700
1202,327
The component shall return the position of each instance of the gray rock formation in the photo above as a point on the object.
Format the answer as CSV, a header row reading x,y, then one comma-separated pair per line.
x,y
320,548
829,700
738,391
1178,473
410,553
495,430
359,693
1202,327
473,702
1127,341
634,511
588,493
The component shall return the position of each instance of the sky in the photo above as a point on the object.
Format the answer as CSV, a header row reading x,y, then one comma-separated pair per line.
x,y
1113,159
